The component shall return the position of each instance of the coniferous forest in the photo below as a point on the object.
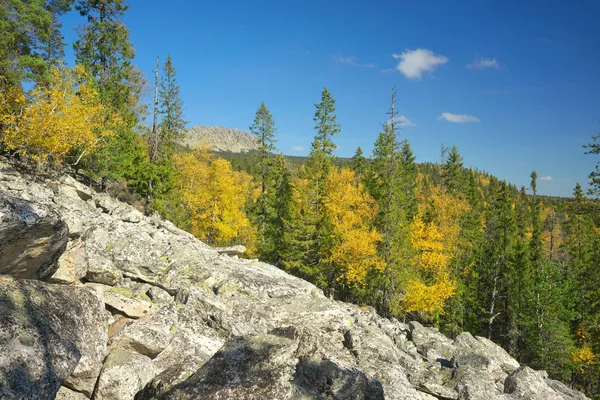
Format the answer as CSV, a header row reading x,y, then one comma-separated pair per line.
x,y
447,245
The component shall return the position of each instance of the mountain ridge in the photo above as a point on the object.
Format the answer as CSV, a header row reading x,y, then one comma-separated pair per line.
x,y
220,139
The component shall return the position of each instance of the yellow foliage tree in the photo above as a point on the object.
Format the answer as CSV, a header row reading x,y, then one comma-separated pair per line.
x,y
351,212
436,236
59,118
215,196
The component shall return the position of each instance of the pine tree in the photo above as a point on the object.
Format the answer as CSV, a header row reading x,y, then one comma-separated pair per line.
x,y
452,172
313,188
409,178
387,186
53,46
25,27
163,139
264,130
359,163
170,106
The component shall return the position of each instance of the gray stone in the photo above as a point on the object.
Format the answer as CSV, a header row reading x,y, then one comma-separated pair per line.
x,y
566,392
94,337
231,250
68,394
184,356
158,295
485,347
106,203
101,270
266,367
431,344
125,303
45,332
32,238
526,383
123,375
127,213
72,264
149,335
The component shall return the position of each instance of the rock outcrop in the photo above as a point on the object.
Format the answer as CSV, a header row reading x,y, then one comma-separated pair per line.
x,y
132,307
219,138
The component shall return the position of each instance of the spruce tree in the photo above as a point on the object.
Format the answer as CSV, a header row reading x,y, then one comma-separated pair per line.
x,y
452,172
321,149
359,162
317,230
168,132
409,178
387,184
263,129
172,123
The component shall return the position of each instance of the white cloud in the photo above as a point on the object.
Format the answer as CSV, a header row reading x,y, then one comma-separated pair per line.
x,y
546,178
403,121
484,63
298,148
414,62
458,118
353,61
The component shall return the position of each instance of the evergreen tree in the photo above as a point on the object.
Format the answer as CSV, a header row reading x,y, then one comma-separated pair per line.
x,y
495,267
105,50
318,166
53,46
321,149
170,106
452,172
535,245
264,130
594,148
387,185
359,162
409,178
161,169
25,27
582,245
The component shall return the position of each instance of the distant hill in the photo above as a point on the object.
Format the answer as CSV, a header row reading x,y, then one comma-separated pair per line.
x,y
221,139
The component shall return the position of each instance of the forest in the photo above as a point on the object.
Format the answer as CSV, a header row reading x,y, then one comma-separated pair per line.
x,y
446,245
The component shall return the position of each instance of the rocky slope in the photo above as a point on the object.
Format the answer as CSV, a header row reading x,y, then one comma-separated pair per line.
x,y
220,139
98,301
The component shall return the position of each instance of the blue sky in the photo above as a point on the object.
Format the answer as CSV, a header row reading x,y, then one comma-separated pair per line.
x,y
513,84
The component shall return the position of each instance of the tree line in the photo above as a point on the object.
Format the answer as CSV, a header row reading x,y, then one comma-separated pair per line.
x,y
441,243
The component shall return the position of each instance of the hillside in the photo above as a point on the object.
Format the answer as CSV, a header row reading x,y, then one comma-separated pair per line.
x,y
98,301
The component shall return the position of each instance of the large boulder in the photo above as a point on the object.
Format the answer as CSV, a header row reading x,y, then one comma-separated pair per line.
x,y
32,238
149,335
47,334
123,374
275,366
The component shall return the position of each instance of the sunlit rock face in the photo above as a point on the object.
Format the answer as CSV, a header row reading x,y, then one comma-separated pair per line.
x,y
219,138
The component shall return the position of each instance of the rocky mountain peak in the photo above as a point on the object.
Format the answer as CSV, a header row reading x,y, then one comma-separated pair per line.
x,y
220,139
